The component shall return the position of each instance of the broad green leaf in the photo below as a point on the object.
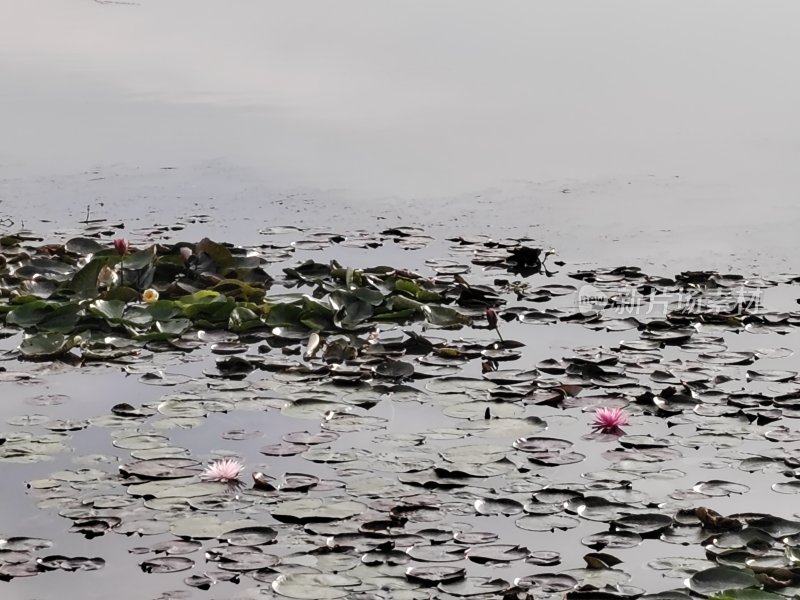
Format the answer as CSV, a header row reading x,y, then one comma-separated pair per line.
x,y
138,316
162,310
84,283
63,319
243,319
284,314
444,316
111,310
139,260
174,327
84,246
30,314
407,287
221,256
42,345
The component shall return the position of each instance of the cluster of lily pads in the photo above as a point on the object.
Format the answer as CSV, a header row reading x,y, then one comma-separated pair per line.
x,y
382,513
97,299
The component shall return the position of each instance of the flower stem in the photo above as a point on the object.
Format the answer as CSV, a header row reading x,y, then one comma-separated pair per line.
x,y
500,335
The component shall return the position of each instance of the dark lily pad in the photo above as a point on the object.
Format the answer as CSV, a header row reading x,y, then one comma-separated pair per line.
x,y
249,536
473,586
433,575
316,510
498,506
496,553
437,553
550,522
716,487
162,468
719,579
166,564
314,586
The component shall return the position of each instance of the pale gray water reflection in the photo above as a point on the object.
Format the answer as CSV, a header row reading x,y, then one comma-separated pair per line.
x,y
661,131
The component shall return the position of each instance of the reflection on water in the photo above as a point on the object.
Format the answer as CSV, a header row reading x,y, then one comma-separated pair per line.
x,y
664,115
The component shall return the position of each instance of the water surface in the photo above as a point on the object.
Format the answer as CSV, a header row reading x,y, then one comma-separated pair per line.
x,y
663,131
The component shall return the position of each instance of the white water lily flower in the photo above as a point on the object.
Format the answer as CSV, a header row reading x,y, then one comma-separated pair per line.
x,y
107,277
150,295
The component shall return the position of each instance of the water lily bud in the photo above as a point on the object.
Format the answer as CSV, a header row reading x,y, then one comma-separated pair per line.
x,y
491,317
185,254
150,295
121,246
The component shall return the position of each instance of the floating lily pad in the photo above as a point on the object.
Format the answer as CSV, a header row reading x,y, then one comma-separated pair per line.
x,y
316,510
249,536
433,575
167,564
719,579
162,468
314,586
551,522
473,586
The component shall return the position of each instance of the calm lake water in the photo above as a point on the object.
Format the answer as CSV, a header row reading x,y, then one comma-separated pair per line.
x,y
617,131
664,134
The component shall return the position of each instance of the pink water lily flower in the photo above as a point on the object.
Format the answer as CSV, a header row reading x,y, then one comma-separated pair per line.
x,y
609,419
121,246
224,470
